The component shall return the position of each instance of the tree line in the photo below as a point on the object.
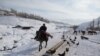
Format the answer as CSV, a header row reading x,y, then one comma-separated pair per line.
x,y
94,24
24,15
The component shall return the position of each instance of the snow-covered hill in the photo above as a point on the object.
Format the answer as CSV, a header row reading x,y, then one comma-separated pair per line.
x,y
16,41
85,25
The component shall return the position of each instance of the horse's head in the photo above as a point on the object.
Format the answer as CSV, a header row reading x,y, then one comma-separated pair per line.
x,y
49,35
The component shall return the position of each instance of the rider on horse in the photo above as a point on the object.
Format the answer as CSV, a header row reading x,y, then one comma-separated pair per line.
x,y
42,35
42,29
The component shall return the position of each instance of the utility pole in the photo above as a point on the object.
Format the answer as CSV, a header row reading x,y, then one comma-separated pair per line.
x,y
93,22
98,24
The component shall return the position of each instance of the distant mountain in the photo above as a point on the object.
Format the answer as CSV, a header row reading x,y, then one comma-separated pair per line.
x,y
60,24
90,24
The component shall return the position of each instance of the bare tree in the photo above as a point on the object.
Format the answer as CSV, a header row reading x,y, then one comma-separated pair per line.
x,y
93,24
13,11
98,24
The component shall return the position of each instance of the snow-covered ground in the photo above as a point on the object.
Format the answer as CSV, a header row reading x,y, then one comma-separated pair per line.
x,y
86,47
25,45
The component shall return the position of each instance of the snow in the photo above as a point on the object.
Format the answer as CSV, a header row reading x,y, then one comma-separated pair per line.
x,y
85,48
27,46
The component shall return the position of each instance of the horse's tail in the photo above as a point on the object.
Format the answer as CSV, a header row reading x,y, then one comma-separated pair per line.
x,y
37,37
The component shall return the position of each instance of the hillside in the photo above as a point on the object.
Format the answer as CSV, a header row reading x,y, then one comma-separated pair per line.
x,y
25,43
12,12
86,25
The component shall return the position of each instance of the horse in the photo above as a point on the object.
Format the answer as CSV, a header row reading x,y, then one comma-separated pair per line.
x,y
42,36
92,32
75,32
83,32
83,37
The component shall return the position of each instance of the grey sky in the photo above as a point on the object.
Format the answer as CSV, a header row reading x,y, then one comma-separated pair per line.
x,y
71,11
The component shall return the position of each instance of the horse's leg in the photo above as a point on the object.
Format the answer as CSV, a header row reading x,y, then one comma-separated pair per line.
x,y
46,44
40,46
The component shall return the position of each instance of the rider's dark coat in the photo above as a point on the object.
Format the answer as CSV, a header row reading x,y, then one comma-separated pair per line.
x,y
44,28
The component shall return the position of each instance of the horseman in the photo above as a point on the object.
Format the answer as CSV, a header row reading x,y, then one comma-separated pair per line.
x,y
42,29
42,35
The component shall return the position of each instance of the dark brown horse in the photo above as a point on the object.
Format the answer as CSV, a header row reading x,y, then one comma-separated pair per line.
x,y
42,36
92,32
83,32
75,32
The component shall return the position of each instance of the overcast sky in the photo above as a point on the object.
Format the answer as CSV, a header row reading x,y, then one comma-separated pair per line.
x,y
69,11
